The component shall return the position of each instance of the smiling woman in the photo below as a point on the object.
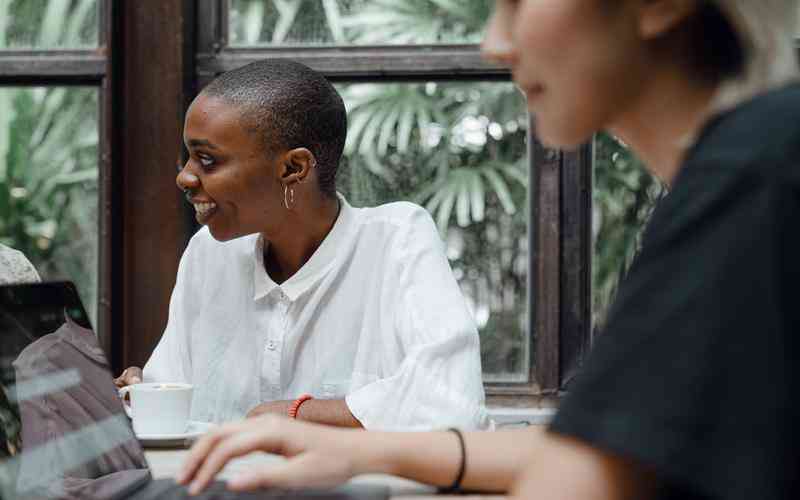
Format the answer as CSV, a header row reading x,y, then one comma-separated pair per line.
x,y
289,292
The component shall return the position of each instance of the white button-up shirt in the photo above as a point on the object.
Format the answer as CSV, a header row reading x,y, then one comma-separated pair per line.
x,y
374,317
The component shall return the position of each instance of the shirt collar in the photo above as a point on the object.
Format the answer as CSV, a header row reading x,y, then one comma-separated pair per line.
x,y
82,339
317,266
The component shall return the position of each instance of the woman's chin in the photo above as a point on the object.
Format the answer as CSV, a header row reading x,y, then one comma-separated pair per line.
x,y
562,137
220,234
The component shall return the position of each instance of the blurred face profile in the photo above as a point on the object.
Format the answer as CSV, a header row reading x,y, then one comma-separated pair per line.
x,y
580,63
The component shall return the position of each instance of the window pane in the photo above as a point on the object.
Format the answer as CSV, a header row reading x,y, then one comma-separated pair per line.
x,y
624,197
48,24
356,22
48,182
458,149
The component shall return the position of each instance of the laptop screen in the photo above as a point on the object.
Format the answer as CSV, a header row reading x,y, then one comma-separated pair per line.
x,y
63,431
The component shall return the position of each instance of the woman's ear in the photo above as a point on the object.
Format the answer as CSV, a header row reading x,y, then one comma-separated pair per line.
x,y
658,17
297,166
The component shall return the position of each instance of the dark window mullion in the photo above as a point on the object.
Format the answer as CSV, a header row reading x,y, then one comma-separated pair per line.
x,y
103,35
576,258
211,26
53,67
358,63
547,263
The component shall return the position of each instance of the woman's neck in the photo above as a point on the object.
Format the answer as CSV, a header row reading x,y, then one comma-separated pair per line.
x,y
665,120
304,232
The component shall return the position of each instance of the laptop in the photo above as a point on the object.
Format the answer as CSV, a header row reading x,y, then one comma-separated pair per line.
x,y
63,431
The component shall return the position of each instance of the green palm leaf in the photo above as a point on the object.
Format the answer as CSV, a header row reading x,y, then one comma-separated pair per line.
x,y
53,23
464,189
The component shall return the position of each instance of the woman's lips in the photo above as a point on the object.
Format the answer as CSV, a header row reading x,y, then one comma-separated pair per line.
x,y
204,211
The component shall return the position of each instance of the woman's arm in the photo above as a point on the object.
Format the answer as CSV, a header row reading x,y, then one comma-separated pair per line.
x,y
493,459
320,411
563,468
322,456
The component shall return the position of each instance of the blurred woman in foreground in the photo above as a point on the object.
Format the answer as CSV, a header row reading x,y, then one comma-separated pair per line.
x,y
692,390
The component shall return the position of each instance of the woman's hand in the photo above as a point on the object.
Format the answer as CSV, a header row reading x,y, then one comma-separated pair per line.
x,y
272,407
129,376
318,456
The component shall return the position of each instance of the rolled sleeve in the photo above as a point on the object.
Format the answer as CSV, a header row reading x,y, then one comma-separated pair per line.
x,y
438,383
417,397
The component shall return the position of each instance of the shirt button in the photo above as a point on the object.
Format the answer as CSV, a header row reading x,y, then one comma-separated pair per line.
x,y
271,345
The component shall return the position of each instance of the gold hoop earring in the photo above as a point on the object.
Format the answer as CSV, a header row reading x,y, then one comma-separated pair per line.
x,y
285,199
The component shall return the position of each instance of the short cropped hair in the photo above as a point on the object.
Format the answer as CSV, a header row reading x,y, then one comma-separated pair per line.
x,y
288,105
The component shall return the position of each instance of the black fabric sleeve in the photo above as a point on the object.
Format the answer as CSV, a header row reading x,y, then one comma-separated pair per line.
x,y
693,377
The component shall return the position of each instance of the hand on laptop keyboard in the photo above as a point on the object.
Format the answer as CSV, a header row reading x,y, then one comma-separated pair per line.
x,y
317,455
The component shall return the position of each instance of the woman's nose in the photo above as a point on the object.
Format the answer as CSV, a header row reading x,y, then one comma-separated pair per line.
x,y
186,180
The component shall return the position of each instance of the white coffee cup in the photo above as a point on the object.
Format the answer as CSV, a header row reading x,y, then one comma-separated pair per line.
x,y
158,408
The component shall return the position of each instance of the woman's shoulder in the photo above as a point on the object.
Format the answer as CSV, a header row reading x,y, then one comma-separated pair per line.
x,y
399,224
397,218
762,133
399,213
15,267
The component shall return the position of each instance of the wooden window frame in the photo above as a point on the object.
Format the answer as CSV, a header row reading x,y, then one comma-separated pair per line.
x,y
91,68
141,229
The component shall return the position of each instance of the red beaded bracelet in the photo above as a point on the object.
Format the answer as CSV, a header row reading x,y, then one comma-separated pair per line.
x,y
295,406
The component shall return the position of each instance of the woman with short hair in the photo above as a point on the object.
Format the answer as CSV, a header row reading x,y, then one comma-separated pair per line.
x,y
692,390
291,301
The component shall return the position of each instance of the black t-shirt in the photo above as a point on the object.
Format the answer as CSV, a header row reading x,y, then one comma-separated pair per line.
x,y
697,376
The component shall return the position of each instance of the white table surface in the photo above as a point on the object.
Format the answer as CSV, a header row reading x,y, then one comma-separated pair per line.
x,y
165,463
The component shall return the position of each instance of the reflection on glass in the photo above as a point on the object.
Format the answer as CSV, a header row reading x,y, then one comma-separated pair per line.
x,y
48,24
624,197
458,149
65,434
48,181
356,22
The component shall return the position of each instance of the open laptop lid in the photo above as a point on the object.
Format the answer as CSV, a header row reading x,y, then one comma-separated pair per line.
x,y
63,431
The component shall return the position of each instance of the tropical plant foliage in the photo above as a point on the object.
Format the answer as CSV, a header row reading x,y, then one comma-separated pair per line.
x,y
624,197
48,149
362,22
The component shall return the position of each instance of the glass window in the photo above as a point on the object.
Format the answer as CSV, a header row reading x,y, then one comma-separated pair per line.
x,y
797,22
624,197
48,24
356,22
48,181
458,149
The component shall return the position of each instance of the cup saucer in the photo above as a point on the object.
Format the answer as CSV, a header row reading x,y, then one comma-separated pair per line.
x,y
194,430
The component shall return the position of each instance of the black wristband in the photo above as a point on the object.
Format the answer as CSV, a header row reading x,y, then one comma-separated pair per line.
x,y
456,486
